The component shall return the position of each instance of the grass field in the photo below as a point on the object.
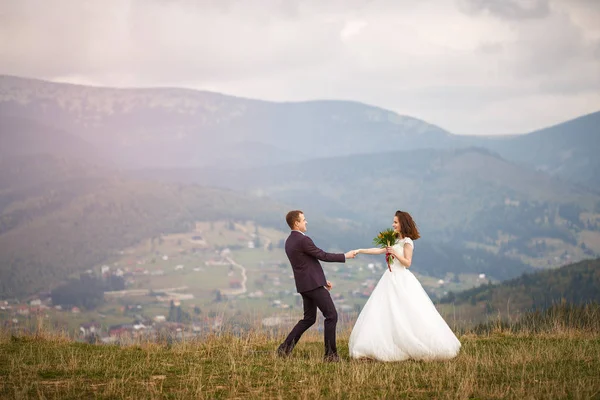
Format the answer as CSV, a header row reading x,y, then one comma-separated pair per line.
x,y
559,363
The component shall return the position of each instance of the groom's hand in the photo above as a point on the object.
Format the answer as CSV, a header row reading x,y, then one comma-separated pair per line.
x,y
350,254
328,286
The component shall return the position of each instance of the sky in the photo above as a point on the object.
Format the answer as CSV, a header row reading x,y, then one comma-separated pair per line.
x,y
469,66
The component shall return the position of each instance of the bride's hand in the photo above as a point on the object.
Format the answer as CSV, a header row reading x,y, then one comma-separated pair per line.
x,y
390,250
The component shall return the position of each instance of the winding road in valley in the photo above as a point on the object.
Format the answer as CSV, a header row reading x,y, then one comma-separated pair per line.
x,y
243,289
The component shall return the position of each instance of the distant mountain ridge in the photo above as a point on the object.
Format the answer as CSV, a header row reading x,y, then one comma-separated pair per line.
x,y
568,150
172,127
21,136
181,127
428,181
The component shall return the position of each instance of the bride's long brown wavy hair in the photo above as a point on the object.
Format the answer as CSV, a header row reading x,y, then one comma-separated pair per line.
x,y
408,228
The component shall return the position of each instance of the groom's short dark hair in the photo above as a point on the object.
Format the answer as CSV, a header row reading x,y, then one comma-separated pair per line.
x,y
292,217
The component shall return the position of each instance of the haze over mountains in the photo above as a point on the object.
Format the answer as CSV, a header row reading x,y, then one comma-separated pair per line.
x,y
485,203
187,128
179,127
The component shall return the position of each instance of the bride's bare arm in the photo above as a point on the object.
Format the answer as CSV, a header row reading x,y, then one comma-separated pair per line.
x,y
408,253
374,250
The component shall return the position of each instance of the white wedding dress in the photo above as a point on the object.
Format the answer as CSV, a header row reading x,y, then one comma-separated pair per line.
x,y
400,322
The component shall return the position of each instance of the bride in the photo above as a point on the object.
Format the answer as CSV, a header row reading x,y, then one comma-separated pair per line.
x,y
399,321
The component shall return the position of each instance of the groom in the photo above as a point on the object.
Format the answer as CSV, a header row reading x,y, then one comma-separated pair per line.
x,y
311,284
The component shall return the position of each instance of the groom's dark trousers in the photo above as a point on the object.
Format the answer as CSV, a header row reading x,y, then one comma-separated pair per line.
x,y
310,281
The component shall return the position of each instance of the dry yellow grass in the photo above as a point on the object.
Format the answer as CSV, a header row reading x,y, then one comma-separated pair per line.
x,y
559,363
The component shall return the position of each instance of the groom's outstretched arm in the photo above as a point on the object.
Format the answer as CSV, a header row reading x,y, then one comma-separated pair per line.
x,y
308,246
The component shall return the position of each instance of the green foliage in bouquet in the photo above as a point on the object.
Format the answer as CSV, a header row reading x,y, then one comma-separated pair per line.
x,y
385,238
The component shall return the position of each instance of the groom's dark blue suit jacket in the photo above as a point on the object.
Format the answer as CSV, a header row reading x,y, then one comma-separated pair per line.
x,y
304,257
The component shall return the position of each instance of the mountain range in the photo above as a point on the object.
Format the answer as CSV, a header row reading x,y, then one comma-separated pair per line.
x,y
499,205
170,127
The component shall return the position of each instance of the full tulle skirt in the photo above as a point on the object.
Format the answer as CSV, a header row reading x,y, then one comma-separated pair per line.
x,y
400,322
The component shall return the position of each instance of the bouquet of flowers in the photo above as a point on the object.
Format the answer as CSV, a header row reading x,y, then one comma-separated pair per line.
x,y
386,238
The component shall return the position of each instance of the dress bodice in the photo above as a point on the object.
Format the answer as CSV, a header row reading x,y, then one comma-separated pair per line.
x,y
399,248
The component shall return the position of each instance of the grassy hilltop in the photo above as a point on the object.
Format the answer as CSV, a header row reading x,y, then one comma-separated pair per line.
x,y
551,355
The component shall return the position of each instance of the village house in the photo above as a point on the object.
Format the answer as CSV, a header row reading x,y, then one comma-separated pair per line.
x,y
22,309
216,262
118,331
89,329
139,327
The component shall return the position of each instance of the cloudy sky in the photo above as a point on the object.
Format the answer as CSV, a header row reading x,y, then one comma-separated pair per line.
x,y
470,66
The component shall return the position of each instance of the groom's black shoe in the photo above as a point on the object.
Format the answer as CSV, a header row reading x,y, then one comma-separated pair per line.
x,y
332,358
283,351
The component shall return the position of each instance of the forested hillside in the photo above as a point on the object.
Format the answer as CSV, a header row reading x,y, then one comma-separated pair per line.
x,y
577,283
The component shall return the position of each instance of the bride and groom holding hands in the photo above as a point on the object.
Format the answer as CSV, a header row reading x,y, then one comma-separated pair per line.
x,y
398,322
